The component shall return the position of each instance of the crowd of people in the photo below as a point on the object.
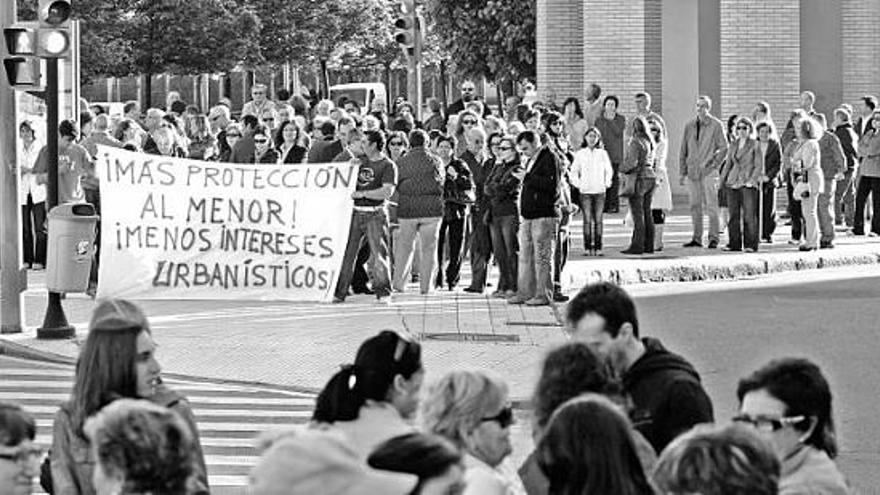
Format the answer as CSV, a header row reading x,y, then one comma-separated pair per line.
x,y
468,182
613,411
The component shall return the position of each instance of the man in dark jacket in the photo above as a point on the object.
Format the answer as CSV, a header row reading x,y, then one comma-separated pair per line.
x,y
539,208
845,194
833,165
244,149
667,396
468,94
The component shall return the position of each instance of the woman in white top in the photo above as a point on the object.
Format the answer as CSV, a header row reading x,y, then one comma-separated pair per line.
x,y
372,400
32,197
807,176
591,173
471,409
661,204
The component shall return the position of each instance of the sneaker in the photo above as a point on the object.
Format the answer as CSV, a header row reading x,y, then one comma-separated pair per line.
x,y
38,266
499,295
338,300
516,300
767,240
509,293
751,250
872,234
806,248
794,242
560,297
826,245
473,290
386,300
693,244
599,252
537,301
730,249
713,244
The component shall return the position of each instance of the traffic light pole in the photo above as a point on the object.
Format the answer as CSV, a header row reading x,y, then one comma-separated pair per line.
x,y
55,324
12,277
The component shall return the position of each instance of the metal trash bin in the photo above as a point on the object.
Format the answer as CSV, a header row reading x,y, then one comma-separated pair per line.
x,y
70,247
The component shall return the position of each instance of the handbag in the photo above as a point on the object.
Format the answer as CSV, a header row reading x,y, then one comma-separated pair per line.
x,y
628,185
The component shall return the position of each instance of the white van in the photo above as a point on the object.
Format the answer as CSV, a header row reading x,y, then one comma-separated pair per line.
x,y
362,93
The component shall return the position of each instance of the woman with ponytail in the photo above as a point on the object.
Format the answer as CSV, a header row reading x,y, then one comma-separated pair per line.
x,y
372,400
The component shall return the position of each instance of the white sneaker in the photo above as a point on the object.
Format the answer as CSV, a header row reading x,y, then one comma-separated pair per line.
x,y
386,300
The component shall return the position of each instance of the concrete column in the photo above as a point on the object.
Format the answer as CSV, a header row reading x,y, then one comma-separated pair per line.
x,y
860,48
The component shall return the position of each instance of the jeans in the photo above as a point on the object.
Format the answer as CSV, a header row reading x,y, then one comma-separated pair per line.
x,y
612,194
374,226
704,192
454,229
505,246
427,229
560,254
826,210
796,212
591,205
867,185
743,226
481,249
33,230
810,213
537,238
643,222
93,196
845,200
768,210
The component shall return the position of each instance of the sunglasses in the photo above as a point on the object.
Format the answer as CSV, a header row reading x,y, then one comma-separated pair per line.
x,y
467,90
655,131
765,424
261,141
742,128
506,148
395,143
233,135
469,122
503,418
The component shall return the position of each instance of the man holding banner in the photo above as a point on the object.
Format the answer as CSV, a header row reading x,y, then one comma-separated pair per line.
x,y
376,180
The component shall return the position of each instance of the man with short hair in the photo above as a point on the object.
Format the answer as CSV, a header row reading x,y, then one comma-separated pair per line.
x,y
74,162
476,158
419,211
334,140
100,135
665,389
845,192
643,109
833,164
376,180
539,209
259,103
244,149
132,110
468,94
594,105
865,124
703,148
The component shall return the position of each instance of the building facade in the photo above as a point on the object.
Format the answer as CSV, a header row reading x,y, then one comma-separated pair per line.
x,y
736,51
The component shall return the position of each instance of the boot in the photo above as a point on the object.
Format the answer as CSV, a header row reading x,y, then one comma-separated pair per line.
x,y
658,237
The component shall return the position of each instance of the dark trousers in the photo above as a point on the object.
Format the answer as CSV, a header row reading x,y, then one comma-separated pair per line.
x,y
592,205
372,225
360,278
560,255
768,210
505,246
93,196
794,211
612,194
743,225
867,185
33,231
643,222
481,250
453,228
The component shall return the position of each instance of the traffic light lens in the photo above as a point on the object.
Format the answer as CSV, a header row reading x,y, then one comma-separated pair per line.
x,y
58,12
54,42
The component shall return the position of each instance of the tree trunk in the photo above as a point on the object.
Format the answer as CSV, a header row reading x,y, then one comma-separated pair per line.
x,y
444,83
148,92
499,91
388,85
325,79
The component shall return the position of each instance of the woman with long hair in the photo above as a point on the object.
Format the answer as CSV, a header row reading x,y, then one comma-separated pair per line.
x,y
808,180
370,400
575,124
639,165
741,177
591,174
288,143
116,361
503,187
202,144
588,448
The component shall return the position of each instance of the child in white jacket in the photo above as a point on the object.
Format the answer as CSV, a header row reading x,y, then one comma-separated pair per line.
x,y
591,174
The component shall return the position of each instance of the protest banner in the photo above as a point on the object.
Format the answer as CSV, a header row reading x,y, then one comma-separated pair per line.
x,y
173,228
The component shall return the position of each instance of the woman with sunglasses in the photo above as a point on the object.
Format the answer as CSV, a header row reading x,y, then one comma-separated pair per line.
x,y
19,457
503,187
467,120
471,409
741,177
264,151
397,145
233,134
372,400
788,401
116,361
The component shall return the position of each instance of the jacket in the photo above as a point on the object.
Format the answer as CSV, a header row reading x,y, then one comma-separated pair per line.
x,y
503,187
479,172
458,192
805,165
243,151
662,199
832,159
71,455
591,171
772,159
666,393
810,471
639,159
849,141
419,185
699,158
269,157
296,154
743,165
869,150
612,136
540,191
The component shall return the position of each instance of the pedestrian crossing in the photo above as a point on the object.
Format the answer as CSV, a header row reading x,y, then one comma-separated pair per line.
x,y
229,416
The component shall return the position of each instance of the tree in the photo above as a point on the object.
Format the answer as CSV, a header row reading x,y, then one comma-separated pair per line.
x,y
494,39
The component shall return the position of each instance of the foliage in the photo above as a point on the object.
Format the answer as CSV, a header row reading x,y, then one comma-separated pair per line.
x,y
494,39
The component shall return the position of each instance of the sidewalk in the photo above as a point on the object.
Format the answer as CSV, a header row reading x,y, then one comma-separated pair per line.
x,y
299,346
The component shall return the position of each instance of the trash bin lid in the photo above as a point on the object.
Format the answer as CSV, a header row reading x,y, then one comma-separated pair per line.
x,y
85,211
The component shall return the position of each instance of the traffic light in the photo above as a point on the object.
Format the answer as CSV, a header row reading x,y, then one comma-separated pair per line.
x,y
53,37
22,65
405,26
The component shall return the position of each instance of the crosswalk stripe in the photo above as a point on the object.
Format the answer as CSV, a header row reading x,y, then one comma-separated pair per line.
x,y
229,417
